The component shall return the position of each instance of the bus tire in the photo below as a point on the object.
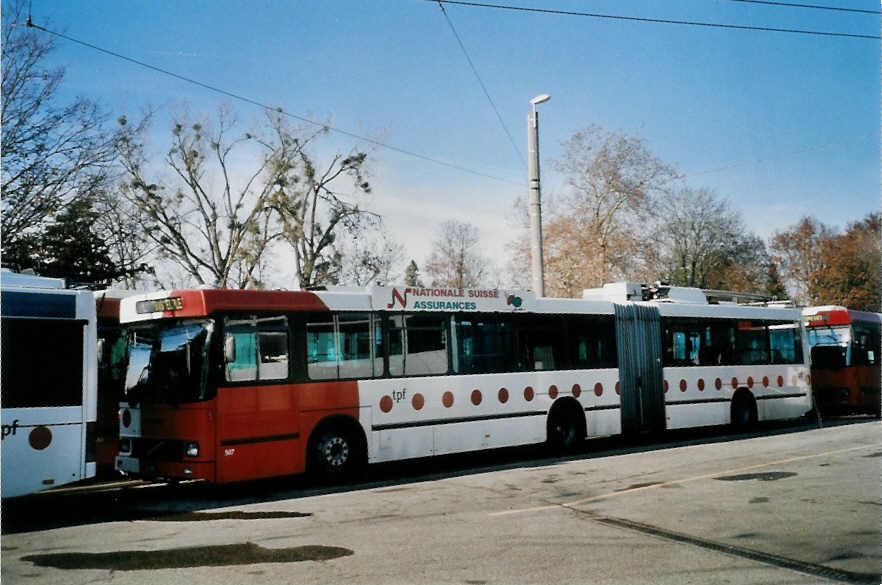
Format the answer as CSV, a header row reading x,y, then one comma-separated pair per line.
x,y
743,411
337,452
566,426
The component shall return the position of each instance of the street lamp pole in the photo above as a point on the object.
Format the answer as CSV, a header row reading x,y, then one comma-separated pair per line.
x,y
538,269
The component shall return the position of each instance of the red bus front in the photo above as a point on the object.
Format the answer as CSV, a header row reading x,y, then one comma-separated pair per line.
x,y
845,359
169,405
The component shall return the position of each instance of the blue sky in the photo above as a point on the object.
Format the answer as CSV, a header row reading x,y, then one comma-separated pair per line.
x,y
782,125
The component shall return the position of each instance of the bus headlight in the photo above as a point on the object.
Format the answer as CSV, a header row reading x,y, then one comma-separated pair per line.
x,y
192,450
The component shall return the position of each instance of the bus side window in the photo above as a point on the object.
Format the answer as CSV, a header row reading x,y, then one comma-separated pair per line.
x,y
592,342
417,344
751,343
541,344
785,343
260,348
866,345
273,352
354,339
321,347
244,340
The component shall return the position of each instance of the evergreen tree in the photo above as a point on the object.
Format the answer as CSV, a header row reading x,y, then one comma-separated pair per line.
x,y
774,286
70,248
412,274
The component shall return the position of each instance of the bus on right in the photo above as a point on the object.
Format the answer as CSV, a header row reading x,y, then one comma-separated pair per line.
x,y
845,358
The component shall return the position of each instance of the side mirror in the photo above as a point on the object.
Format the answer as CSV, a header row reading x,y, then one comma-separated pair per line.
x,y
229,349
100,351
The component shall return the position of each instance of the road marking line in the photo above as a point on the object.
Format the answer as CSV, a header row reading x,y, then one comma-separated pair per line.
x,y
673,482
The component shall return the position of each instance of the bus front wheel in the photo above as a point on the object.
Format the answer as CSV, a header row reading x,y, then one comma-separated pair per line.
x,y
336,453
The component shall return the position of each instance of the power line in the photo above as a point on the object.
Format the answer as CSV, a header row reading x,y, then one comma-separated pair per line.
x,y
815,6
481,83
654,20
278,110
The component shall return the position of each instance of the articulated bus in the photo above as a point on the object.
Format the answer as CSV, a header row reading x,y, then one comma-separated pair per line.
x,y
845,358
49,383
230,385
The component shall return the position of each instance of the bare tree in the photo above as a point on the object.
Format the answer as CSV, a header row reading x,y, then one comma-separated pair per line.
x,y
694,238
455,260
122,230
203,219
371,258
51,151
313,211
612,180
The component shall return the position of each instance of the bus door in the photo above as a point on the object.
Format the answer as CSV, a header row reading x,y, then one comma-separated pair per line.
x,y
638,338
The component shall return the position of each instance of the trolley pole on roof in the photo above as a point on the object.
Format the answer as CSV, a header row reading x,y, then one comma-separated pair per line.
x,y
538,267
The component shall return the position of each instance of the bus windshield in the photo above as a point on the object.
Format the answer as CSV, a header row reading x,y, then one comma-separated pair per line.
x,y
840,336
168,363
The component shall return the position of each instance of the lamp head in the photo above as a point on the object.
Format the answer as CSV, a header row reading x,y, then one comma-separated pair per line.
x,y
540,98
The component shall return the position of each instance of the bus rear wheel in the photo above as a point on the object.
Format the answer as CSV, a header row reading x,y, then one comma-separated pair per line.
x,y
566,428
336,453
743,414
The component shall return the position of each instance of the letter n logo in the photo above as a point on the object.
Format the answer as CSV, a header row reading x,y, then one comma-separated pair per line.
x,y
397,296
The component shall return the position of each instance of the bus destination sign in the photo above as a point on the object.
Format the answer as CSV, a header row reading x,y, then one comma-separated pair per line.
x,y
159,305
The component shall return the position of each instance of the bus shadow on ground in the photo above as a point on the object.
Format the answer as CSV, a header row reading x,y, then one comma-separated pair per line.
x,y
193,502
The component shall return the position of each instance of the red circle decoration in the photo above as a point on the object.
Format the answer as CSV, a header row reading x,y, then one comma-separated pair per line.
x,y
666,385
447,399
765,381
750,381
552,391
503,395
683,386
718,384
476,397
701,384
618,388
577,390
528,393
598,389
734,382
418,401
386,403
780,381
40,438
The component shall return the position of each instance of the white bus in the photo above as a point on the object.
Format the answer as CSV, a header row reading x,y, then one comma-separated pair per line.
x,y
226,385
49,383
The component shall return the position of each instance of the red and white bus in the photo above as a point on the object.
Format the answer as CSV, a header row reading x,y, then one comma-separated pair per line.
x,y
230,385
845,358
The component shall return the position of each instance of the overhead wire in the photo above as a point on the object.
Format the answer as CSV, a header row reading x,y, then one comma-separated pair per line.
x,y
652,20
813,6
481,83
275,109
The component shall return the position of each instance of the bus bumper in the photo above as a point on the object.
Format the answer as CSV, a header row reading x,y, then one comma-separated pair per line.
x,y
166,469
